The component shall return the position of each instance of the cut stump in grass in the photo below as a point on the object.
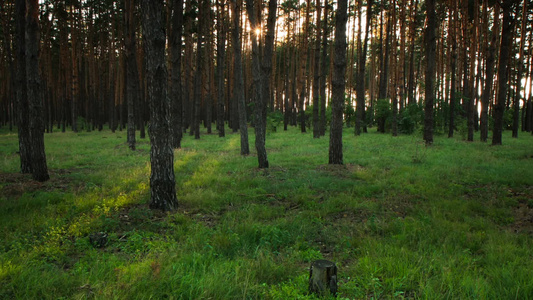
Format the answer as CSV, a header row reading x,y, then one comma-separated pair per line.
x,y
323,277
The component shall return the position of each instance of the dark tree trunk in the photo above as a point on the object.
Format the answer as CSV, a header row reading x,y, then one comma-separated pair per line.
x,y
198,78
360,83
176,103
453,67
505,50
221,59
162,181
430,70
412,32
22,104
259,99
338,84
316,78
516,100
132,76
38,156
238,90
489,76
266,62
323,70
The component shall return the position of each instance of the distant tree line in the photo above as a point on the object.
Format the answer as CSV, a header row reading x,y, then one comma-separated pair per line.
x,y
444,66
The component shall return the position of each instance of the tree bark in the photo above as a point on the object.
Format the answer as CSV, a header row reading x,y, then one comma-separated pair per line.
x,y
238,90
520,67
22,104
489,76
38,156
316,77
430,71
176,99
259,98
505,50
323,277
132,76
338,84
162,180
361,67
451,124
323,70
221,59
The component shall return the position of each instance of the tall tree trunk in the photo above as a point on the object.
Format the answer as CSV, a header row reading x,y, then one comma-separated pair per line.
x,y
38,156
489,74
520,67
361,67
323,70
505,50
132,76
411,86
268,49
22,104
430,71
316,78
338,84
453,89
176,101
221,59
303,68
162,180
238,90
471,91
259,98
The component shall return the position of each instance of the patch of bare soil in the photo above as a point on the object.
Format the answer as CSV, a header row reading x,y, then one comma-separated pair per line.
x,y
16,184
342,171
523,213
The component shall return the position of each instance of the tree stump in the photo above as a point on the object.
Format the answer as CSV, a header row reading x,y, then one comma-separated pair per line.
x,y
323,277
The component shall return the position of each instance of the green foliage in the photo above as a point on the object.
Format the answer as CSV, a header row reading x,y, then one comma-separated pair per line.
x,y
274,120
410,119
383,114
401,220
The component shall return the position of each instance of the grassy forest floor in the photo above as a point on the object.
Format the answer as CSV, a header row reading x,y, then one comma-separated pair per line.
x,y
453,221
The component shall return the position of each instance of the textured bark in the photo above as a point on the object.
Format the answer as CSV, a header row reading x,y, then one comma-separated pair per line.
x,y
38,156
453,67
22,104
221,60
430,70
412,33
238,90
162,181
303,74
268,49
360,81
323,70
338,84
520,68
505,50
489,76
259,98
323,278
132,76
316,77
176,102
471,92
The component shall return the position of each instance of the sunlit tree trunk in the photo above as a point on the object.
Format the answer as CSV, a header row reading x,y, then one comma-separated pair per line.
x,y
238,91
259,99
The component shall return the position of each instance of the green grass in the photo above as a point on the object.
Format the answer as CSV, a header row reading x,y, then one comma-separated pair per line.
x,y
453,221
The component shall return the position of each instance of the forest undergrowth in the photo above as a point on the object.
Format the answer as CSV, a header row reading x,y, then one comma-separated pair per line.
x,y
452,221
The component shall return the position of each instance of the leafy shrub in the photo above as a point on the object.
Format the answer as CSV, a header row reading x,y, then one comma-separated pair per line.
x,y
274,120
410,118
